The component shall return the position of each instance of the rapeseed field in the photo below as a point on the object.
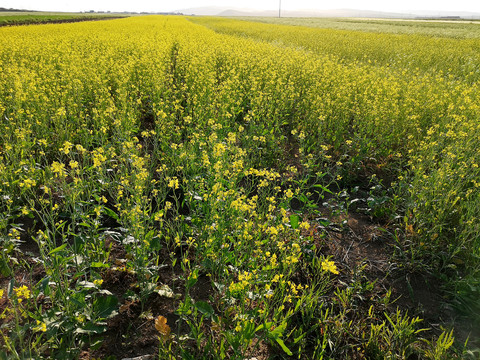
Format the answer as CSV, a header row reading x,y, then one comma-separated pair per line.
x,y
204,188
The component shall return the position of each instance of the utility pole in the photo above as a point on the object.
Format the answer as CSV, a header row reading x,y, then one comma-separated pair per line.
x,y
279,7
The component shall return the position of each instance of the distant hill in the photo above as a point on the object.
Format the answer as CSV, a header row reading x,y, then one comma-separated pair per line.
x,y
223,11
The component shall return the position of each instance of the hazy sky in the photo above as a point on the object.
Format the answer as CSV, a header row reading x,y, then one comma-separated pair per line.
x,y
163,5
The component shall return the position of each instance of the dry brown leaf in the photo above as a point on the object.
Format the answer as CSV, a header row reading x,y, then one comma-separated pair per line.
x,y
161,326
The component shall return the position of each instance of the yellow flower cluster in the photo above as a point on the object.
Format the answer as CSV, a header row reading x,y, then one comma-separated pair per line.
x,y
22,293
329,266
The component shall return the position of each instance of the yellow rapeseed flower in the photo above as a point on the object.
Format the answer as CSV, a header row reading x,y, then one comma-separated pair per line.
x,y
58,169
328,265
41,326
22,292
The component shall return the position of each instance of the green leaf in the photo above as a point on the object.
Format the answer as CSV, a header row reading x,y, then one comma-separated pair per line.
x,y
283,346
104,306
87,284
294,221
78,243
44,286
184,308
192,279
323,188
149,235
155,244
111,213
57,249
296,340
266,325
324,222
278,331
303,198
97,264
11,284
4,268
91,328
79,302
96,344
205,308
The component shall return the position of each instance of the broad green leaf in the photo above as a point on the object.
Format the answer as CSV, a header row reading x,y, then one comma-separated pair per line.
x,y
205,308
104,306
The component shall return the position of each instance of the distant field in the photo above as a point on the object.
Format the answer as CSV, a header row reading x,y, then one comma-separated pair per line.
x,y
23,18
461,29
